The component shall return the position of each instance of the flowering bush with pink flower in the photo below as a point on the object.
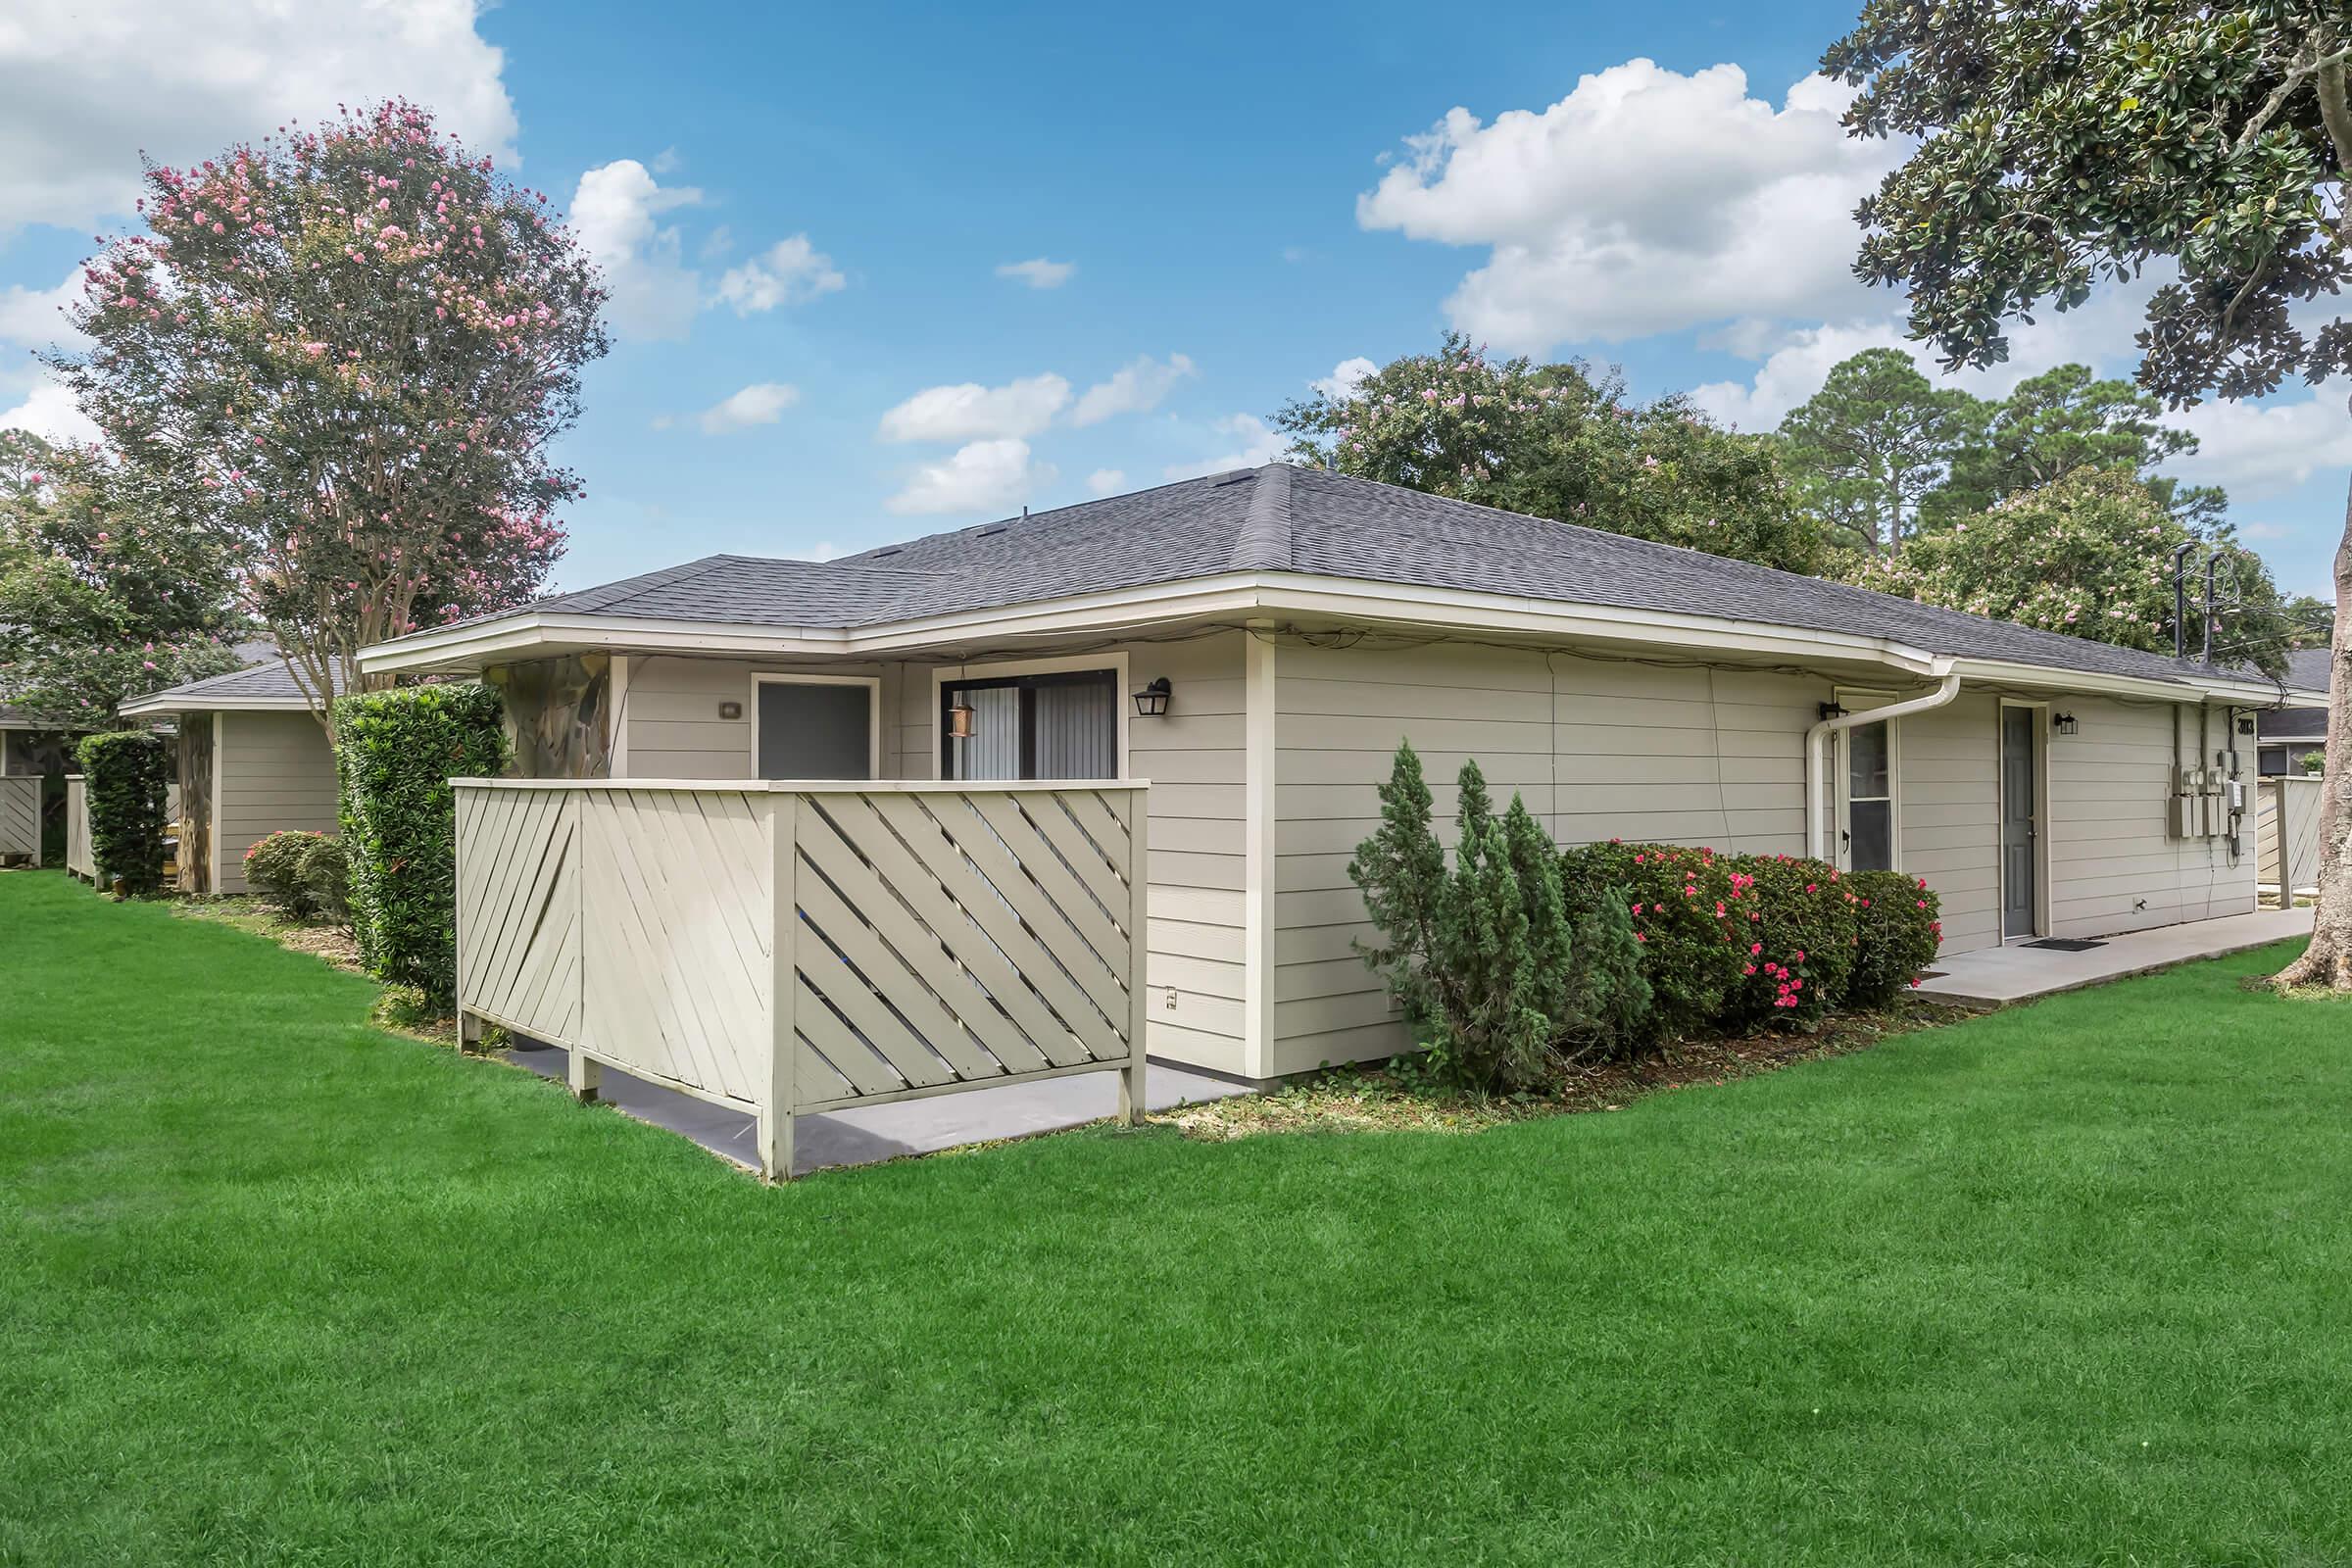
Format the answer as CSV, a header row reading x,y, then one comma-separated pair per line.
x,y
1686,911
347,350
1798,950
1899,928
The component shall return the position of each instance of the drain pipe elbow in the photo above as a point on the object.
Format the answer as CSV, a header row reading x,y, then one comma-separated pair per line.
x,y
1947,687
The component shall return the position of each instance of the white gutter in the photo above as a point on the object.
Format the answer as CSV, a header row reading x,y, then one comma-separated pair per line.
x,y
1947,688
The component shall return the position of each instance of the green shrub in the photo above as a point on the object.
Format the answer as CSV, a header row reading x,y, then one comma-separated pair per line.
x,y
1685,913
303,873
396,753
1799,940
1897,919
126,772
1481,954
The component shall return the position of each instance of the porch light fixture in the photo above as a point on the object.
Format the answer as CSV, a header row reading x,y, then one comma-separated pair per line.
x,y
1832,711
2063,723
1151,702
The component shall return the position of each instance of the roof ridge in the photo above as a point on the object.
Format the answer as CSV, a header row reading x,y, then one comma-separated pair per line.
x,y
1263,543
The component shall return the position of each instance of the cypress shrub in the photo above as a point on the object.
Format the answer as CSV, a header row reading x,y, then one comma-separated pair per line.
x,y
1798,942
1482,954
1899,921
396,752
1685,915
126,772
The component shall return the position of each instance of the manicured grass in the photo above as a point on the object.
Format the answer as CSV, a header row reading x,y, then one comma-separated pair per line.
x,y
2065,1284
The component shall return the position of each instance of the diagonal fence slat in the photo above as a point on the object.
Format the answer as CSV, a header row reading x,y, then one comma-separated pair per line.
x,y
21,814
801,948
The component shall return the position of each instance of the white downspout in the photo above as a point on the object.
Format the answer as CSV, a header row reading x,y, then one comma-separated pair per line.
x,y
1947,687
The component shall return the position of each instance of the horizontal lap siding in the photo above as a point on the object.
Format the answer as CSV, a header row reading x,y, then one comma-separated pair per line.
x,y
2112,865
1597,749
1947,801
277,775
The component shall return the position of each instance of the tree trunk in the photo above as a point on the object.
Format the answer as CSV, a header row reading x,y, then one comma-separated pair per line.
x,y
2327,961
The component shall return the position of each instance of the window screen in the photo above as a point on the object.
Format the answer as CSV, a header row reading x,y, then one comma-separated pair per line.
x,y
816,731
1035,726
1869,799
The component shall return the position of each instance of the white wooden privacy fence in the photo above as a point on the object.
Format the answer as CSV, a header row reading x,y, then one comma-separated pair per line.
x,y
798,948
20,815
2286,827
78,859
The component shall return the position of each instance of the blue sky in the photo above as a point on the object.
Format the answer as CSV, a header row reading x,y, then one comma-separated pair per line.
x,y
807,215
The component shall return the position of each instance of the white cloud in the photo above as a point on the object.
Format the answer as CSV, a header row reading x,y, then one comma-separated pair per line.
x,y
1345,377
613,212
1133,389
2264,449
1645,201
1105,481
791,272
86,85
761,403
50,411
1259,445
824,551
968,411
1038,273
31,316
983,476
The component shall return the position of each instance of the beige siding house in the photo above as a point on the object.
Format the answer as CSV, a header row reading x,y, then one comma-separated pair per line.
x,y
252,761
1257,644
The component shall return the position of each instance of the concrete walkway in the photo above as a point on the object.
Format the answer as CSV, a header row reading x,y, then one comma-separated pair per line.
x,y
1993,976
867,1133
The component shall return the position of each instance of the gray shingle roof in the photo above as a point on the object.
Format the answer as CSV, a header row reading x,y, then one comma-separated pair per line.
x,y
2307,669
1280,519
265,682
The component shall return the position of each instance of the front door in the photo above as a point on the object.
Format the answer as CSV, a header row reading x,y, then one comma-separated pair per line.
x,y
2021,822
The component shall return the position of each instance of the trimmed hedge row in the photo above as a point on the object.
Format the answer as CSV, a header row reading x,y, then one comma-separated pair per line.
x,y
396,752
126,773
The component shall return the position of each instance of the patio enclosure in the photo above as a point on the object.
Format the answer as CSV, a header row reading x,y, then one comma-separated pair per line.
x,y
20,815
2286,828
804,947
78,860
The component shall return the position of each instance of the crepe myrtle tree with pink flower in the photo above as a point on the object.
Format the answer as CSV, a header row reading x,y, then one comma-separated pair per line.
x,y
104,594
348,348
2089,556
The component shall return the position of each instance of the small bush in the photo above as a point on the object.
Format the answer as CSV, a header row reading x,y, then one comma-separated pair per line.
x,y
1480,954
1799,947
1897,919
303,873
396,753
1684,915
126,772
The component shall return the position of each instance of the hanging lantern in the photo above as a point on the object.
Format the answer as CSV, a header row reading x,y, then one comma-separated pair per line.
x,y
962,718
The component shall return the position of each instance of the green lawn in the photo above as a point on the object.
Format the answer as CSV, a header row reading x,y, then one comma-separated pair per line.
x,y
2072,1282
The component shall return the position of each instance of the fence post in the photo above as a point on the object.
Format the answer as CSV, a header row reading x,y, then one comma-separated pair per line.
x,y
1132,1104
779,1093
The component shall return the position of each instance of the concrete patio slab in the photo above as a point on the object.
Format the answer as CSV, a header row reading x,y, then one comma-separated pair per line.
x,y
1993,977
865,1135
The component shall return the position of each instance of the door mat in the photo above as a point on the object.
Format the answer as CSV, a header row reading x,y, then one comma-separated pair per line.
x,y
2064,944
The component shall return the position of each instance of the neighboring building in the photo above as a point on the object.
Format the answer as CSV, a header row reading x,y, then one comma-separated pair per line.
x,y
252,761
2284,736
1256,644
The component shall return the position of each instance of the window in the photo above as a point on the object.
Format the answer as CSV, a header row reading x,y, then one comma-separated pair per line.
x,y
1060,725
813,726
2271,761
1870,797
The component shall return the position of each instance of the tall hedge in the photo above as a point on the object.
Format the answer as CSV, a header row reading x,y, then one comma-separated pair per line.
x,y
395,752
126,772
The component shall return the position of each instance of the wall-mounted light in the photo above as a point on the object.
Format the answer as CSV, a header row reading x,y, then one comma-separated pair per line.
x,y
1151,702
730,710
2064,723
962,719
1832,711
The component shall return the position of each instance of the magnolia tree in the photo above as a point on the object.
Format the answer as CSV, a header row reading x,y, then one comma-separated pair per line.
x,y
104,596
2090,556
348,348
1550,441
2060,145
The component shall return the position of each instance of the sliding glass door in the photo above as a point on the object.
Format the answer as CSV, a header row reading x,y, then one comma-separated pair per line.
x,y
1061,725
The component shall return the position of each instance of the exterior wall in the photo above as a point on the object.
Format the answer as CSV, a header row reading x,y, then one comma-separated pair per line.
x,y
276,773
671,723
1948,813
2111,865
